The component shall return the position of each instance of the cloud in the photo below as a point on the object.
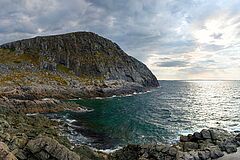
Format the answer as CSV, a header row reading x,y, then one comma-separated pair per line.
x,y
172,64
192,36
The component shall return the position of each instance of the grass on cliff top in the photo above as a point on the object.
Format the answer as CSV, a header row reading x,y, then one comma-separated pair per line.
x,y
27,78
64,69
10,57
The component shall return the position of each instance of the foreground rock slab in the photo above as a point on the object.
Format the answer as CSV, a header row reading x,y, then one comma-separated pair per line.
x,y
5,154
44,148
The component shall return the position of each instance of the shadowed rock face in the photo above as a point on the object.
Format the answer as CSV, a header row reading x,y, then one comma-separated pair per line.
x,y
87,55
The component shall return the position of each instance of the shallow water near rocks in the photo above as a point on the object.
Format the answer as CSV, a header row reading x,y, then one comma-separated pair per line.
x,y
160,116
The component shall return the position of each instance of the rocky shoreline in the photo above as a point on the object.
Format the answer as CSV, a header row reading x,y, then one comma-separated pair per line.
x,y
37,137
38,74
207,144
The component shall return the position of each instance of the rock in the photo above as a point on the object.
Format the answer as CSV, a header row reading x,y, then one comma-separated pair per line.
x,y
130,152
44,147
188,156
216,153
5,154
159,148
197,136
21,154
43,155
5,137
237,138
4,123
230,148
166,148
213,135
19,141
184,138
204,155
188,146
172,151
205,134
86,153
194,154
180,155
220,134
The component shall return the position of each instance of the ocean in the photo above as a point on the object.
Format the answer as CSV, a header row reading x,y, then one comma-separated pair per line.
x,y
158,116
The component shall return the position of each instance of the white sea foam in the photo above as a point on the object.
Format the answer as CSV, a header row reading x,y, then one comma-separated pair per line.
x,y
98,98
71,120
32,114
128,95
109,150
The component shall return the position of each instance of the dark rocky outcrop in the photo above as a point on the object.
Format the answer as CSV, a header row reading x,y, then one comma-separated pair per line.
x,y
37,137
87,55
206,145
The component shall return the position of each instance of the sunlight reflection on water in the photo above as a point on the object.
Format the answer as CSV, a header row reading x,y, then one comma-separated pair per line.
x,y
176,107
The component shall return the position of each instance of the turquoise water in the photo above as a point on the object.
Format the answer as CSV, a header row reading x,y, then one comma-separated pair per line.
x,y
176,107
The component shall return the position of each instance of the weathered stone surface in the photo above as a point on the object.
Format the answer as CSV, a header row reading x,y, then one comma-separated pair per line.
x,y
188,146
184,138
5,154
230,148
173,151
216,153
197,136
205,134
87,55
204,155
45,147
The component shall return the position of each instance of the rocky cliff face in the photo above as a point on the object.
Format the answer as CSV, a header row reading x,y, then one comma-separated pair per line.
x,y
87,55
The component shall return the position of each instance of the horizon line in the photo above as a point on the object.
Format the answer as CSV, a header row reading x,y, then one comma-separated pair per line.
x,y
198,79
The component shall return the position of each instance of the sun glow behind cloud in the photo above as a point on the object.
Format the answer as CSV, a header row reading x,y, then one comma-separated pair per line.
x,y
216,54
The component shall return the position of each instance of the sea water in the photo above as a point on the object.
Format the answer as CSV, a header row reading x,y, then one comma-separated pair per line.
x,y
159,116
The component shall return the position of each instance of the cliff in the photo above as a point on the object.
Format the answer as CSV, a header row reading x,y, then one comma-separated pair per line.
x,y
87,54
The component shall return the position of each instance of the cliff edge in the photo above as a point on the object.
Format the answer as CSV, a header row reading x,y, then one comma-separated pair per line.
x,y
82,57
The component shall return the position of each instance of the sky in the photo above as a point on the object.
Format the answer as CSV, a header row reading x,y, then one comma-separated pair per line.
x,y
176,39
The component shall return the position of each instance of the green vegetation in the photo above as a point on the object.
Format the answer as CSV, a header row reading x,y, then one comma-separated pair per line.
x,y
27,78
9,57
64,69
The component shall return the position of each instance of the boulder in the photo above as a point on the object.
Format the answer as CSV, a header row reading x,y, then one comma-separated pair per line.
x,y
204,155
5,154
197,136
216,153
184,138
44,148
230,148
206,134
188,146
172,151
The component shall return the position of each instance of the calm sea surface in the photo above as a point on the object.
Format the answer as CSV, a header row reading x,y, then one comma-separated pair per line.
x,y
176,107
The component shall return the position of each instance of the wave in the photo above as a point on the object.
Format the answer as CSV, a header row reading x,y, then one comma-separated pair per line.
x,y
75,99
32,114
71,120
108,150
125,95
